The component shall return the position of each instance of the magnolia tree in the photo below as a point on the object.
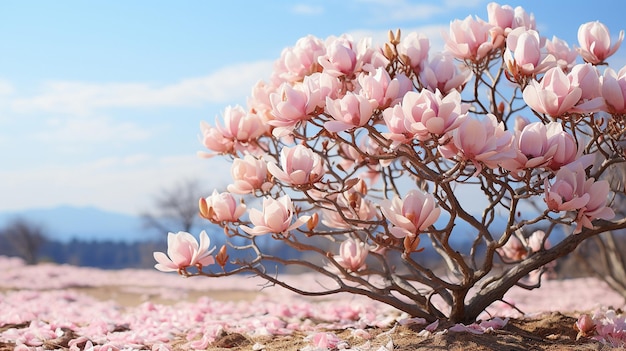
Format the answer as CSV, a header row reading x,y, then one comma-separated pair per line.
x,y
364,156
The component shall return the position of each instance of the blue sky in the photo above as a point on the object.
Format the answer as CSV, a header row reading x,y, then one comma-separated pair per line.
x,y
100,101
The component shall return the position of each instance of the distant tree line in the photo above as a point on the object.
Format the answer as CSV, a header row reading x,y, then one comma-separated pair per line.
x,y
100,254
27,240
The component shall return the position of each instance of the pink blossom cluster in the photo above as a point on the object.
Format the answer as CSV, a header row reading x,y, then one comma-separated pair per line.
x,y
339,85
356,153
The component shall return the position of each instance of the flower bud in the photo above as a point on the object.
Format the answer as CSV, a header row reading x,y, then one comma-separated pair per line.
x,y
388,52
585,326
222,257
204,208
390,36
411,242
312,222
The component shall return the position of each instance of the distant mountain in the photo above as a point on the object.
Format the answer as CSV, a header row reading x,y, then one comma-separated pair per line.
x,y
66,223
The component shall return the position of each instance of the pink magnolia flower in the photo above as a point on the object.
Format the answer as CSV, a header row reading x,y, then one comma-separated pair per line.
x,y
413,50
290,105
300,165
470,39
507,18
240,125
214,140
297,103
424,115
533,144
379,86
572,191
596,206
525,53
566,193
221,207
352,255
555,95
319,86
595,42
183,251
567,149
341,56
539,145
500,16
259,100
427,114
352,110
249,174
614,90
276,217
587,77
411,215
442,73
565,56
480,141
395,122
239,128
301,60
521,18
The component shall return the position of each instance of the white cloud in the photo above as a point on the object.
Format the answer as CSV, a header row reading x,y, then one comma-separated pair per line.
x,y
91,130
121,184
82,98
304,9
6,88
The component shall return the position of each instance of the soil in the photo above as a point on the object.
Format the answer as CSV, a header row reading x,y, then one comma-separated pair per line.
x,y
551,332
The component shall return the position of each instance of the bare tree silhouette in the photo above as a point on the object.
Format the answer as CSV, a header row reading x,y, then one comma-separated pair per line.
x,y
175,208
25,238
